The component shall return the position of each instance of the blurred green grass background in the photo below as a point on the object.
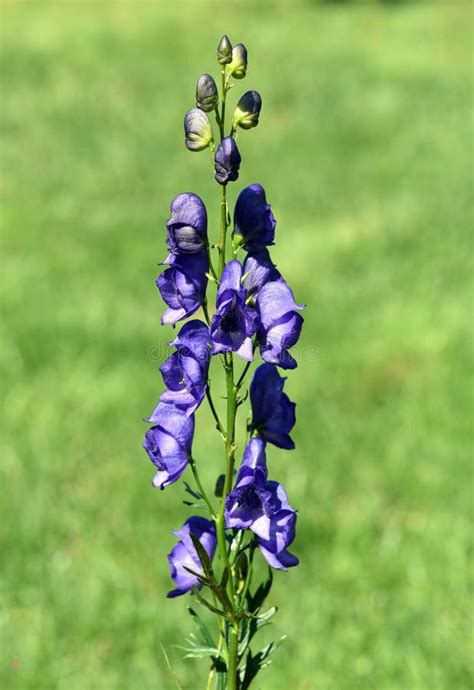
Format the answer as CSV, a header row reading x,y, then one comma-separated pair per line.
x,y
365,150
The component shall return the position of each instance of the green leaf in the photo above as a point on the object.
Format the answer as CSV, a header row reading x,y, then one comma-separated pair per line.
x,y
242,566
203,580
205,634
251,625
256,601
207,604
254,664
191,491
221,680
203,557
225,578
219,488
198,652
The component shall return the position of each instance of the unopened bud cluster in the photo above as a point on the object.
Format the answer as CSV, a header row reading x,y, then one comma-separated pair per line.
x,y
197,125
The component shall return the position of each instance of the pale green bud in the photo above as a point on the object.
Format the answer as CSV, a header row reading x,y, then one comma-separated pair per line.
x,y
207,97
224,51
247,111
197,130
238,66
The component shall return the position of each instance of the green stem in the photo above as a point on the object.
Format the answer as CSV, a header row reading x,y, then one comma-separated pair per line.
x,y
221,120
223,234
214,411
211,267
233,657
212,670
200,487
205,310
248,578
242,376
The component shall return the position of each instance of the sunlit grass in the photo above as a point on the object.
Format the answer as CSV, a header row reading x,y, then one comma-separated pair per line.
x,y
364,150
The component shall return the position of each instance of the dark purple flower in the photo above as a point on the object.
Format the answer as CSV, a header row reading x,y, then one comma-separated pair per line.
x,y
227,161
183,285
187,226
234,322
184,553
253,218
273,414
168,443
262,506
258,270
280,323
185,372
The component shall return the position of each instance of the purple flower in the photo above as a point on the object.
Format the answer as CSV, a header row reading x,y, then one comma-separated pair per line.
x,y
262,506
184,553
168,443
253,218
185,372
258,270
273,414
227,161
187,226
234,322
183,285
280,323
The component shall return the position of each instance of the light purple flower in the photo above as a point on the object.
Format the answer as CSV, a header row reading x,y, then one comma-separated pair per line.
x,y
185,371
184,553
280,323
183,285
262,506
168,443
273,414
234,322
187,225
258,270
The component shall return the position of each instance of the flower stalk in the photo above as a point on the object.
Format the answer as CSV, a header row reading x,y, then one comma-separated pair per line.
x,y
254,312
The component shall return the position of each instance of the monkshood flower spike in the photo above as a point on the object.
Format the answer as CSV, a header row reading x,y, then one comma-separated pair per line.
x,y
222,275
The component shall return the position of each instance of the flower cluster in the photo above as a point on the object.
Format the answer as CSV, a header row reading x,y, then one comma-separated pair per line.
x,y
255,310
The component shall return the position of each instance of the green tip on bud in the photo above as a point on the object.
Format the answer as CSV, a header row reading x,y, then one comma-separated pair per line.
x,y
247,111
197,130
207,96
224,51
238,66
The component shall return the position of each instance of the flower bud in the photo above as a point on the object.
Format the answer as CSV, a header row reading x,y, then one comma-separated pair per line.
x,y
207,97
224,51
197,130
227,161
187,225
238,66
247,111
